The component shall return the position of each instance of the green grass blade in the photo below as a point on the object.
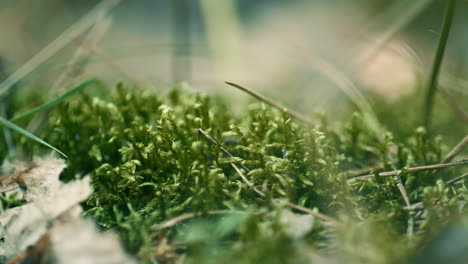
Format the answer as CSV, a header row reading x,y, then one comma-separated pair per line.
x,y
432,85
53,102
10,125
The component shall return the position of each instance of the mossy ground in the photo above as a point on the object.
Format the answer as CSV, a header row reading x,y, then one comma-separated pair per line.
x,y
149,164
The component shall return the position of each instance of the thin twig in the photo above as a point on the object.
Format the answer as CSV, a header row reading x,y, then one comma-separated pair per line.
x,y
327,218
432,85
403,193
454,152
183,217
456,179
414,169
262,194
324,217
290,205
414,206
214,142
449,182
262,98
363,171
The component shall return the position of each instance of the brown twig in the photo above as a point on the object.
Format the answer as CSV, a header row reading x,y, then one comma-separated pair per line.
x,y
214,142
239,172
451,181
262,98
414,169
456,179
363,171
415,206
324,217
403,193
183,217
327,218
448,158
454,152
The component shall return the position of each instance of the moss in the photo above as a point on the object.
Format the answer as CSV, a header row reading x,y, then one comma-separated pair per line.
x,y
149,164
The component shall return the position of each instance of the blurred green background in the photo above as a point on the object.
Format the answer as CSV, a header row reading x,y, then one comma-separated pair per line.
x,y
310,55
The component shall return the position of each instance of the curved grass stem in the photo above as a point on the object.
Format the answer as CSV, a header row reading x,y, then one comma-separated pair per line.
x,y
432,85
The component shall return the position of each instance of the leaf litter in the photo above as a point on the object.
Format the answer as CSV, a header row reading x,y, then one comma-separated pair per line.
x,y
48,227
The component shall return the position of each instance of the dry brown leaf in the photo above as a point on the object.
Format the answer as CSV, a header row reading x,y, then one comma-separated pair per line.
x,y
17,177
49,227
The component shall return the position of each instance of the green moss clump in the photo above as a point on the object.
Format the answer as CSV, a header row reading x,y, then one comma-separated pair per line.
x,y
149,164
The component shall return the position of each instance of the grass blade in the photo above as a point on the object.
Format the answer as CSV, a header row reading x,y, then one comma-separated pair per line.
x,y
432,86
27,134
53,102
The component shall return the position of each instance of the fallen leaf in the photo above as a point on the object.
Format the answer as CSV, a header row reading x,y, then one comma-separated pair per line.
x,y
78,241
49,228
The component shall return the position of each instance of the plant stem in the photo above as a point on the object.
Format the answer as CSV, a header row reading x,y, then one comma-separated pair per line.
x,y
432,86
456,178
264,99
183,217
449,182
214,142
414,169
457,149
